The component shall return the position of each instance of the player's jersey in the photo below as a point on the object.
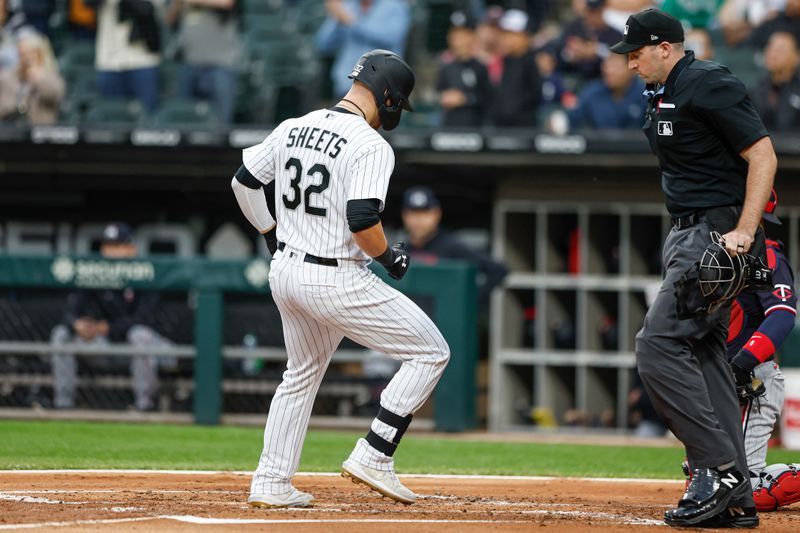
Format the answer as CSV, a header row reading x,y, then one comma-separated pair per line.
x,y
751,309
319,162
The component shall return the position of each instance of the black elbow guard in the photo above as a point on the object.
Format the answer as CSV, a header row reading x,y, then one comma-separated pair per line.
x,y
363,214
244,177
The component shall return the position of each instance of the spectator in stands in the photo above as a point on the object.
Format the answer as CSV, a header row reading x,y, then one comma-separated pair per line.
x,y
777,96
584,42
617,12
614,102
100,317
82,20
699,42
428,242
355,26
208,46
554,91
737,18
487,47
693,14
38,13
787,20
128,50
516,99
11,22
463,83
32,92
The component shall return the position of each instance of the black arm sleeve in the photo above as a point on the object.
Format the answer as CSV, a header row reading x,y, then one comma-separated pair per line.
x,y
244,177
363,214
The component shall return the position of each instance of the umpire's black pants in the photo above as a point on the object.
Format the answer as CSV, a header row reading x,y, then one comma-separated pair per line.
x,y
684,368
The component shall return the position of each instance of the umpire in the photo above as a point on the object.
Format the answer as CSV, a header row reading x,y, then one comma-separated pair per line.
x,y
717,168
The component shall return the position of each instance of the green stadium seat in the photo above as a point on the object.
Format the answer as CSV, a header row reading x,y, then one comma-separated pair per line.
x,y
252,7
77,55
182,112
102,111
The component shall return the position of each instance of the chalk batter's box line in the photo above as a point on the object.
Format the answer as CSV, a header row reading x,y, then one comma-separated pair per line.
x,y
336,474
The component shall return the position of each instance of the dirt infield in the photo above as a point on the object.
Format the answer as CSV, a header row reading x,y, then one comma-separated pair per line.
x,y
161,501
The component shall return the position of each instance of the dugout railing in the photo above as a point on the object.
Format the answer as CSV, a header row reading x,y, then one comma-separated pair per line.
x,y
450,287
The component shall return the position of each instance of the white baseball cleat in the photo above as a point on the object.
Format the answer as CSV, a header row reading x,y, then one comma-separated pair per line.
x,y
293,498
386,483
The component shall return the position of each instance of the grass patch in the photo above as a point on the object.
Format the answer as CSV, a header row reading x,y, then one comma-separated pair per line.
x,y
44,445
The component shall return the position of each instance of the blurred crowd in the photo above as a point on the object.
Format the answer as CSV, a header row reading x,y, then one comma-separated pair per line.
x,y
520,63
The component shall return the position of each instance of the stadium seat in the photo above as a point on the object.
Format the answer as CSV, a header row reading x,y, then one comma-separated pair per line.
x,y
252,7
102,111
77,55
181,112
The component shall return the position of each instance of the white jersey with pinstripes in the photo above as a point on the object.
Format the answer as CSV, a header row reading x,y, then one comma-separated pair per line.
x,y
319,162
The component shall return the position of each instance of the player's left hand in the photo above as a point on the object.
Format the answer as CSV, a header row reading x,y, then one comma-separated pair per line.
x,y
748,387
737,242
400,261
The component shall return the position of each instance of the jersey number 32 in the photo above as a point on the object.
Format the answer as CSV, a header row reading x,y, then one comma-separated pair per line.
x,y
297,196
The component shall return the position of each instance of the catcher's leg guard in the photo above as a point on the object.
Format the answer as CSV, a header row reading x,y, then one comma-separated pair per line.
x,y
780,487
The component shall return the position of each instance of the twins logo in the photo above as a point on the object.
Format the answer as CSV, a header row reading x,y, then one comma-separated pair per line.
x,y
784,292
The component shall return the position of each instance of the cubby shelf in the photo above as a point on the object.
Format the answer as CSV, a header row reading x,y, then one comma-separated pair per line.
x,y
564,321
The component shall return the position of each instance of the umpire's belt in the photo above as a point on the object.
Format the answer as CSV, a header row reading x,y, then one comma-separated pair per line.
x,y
688,220
313,258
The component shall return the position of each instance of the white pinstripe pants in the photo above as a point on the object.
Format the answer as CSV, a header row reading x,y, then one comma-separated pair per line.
x,y
763,414
319,306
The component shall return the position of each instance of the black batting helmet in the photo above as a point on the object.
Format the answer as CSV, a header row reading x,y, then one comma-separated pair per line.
x,y
387,76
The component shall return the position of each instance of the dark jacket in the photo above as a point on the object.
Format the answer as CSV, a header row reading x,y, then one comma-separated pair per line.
x,y
516,100
122,309
471,78
445,245
779,106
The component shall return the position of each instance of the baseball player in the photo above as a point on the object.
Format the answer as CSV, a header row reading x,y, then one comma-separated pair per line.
x,y
759,324
331,170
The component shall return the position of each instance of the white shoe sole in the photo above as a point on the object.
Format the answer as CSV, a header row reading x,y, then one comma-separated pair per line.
x,y
258,503
357,478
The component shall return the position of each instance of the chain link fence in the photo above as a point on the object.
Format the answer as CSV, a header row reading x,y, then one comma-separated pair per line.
x,y
43,364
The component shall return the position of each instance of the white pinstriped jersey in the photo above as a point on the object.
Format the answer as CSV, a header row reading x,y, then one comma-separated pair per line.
x,y
319,162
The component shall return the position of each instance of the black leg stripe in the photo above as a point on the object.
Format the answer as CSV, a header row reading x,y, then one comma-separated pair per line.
x,y
379,443
398,422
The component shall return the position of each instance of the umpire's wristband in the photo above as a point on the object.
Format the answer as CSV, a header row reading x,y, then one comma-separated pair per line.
x,y
386,258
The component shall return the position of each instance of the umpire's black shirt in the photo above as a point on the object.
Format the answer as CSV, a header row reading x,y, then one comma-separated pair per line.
x,y
697,124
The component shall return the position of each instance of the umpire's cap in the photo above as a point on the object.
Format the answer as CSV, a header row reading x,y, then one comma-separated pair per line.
x,y
651,26
387,76
769,209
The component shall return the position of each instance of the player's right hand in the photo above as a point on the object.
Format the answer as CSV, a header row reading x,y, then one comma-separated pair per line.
x,y
400,261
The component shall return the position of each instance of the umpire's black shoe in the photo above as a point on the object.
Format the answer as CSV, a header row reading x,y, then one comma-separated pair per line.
x,y
708,494
732,517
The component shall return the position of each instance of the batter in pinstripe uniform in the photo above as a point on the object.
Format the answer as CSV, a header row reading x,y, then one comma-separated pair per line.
x,y
330,171
760,322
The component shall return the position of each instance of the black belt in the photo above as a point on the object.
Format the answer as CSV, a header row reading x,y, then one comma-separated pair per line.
x,y
313,258
688,220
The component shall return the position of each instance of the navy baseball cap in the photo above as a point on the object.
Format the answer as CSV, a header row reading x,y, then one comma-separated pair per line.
x,y
651,26
769,209
460,19
420,198
118,232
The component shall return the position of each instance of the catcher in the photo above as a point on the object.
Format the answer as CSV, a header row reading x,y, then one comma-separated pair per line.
x,y
760,322
761,319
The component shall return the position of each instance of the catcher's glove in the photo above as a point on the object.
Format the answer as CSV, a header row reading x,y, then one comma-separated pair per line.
x,y
748,387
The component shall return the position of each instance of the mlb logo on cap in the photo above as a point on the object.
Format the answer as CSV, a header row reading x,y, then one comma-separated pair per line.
x,y
648,27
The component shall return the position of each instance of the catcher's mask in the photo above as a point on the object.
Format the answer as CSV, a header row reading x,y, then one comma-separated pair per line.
x,y
718,278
